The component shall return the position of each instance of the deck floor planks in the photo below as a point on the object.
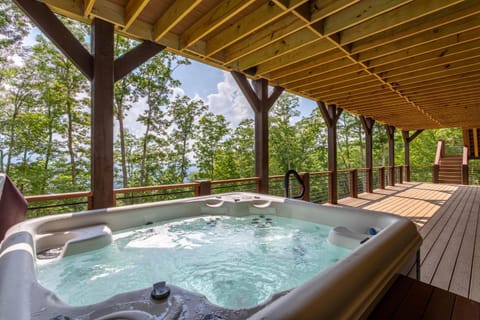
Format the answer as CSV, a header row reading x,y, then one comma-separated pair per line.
x,y
447,217
446,266
440,305
412,299
474,293
460,282
436,240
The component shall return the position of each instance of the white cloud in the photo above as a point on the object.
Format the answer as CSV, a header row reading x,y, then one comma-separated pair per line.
x,y
130,122
229,101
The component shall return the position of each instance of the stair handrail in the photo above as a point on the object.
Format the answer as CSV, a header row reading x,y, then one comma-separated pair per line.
x,y
436,165
465,165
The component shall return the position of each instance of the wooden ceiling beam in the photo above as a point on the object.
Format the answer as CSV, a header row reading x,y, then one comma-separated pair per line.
x,y
247,25
441,44
372,93
429,57
263,37
314,71
367,98
215,17
357,79
446,61
437,19
133,10
314,51
334,76
456,80
327,95
172,16
404,14
431,86
300,39
422,38
310,63
446,95
441,71
87,7
358,13
320,9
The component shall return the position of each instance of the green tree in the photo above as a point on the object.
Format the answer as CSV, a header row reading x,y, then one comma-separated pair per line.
x,y
212,131
124,98
284,151
184,114
154,82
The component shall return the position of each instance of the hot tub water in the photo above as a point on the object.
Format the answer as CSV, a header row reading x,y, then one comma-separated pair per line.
x,y
235,262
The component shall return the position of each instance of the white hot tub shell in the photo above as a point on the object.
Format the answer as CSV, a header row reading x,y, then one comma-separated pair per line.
x,y
347,290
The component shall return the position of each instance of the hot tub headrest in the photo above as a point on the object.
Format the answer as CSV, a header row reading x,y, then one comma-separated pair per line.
x,y
343,237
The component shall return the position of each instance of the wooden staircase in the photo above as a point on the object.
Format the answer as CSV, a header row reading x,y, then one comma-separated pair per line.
x,y
450,170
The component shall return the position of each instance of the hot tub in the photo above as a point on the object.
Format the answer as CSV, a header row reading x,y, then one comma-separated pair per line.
x,y
382,245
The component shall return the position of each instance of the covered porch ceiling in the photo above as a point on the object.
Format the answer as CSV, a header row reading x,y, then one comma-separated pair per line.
x,y
410,64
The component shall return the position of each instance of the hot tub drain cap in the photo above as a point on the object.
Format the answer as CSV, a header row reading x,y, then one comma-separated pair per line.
x,y
160,291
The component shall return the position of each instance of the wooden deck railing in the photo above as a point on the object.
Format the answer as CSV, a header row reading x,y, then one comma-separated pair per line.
x,y
350,182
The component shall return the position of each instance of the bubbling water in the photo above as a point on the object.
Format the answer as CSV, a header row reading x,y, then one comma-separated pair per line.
x,y
235,262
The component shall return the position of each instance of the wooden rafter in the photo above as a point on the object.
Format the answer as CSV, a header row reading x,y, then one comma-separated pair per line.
x,y
369,57
174,14
133,10
214,18
87,7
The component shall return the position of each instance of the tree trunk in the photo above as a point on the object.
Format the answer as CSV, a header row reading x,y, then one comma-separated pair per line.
x,y
144,147
71,151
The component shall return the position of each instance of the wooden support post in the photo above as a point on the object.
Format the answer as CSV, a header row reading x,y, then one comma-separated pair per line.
x,y
368,124
400,174
391,153
406,143
306,181
257,96
381,177
353,183
102,114
204,188
330,115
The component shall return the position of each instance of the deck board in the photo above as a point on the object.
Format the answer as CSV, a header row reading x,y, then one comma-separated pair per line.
x,y
412,299
447,217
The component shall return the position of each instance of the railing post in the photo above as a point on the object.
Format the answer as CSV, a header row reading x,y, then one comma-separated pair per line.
x,y
436,170
465,165
400,174
381,177
369,178
204,188
114,200
407,173
90,202
306,181
257,185
353,183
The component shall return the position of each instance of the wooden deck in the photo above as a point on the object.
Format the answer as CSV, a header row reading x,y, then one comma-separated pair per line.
x,y
447,217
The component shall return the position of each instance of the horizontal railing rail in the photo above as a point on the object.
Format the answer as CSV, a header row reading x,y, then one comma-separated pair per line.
x,y
350,183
